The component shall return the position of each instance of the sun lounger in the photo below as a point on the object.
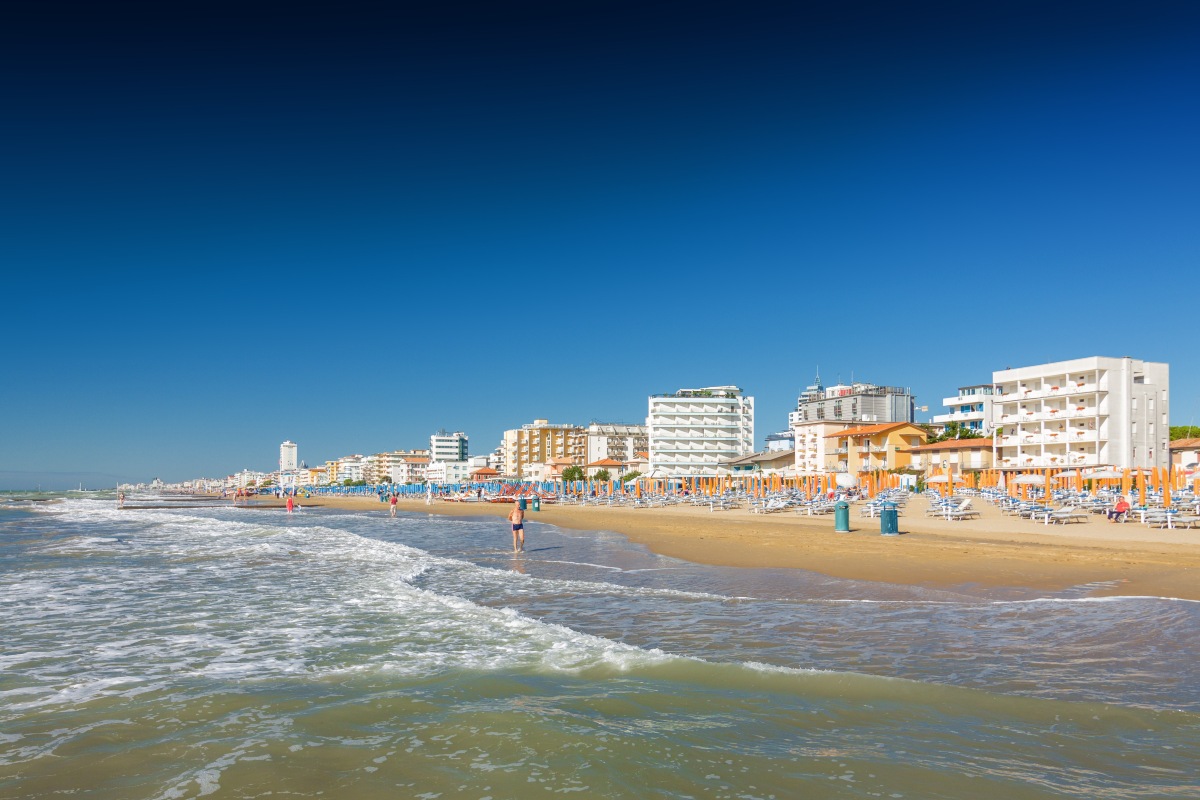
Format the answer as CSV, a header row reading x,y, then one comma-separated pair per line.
x,y
1066,516
962,511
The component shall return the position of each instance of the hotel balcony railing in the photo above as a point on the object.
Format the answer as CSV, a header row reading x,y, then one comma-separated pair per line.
x,y
959,416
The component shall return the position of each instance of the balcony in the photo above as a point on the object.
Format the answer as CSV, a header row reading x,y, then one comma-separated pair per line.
x,y
960,416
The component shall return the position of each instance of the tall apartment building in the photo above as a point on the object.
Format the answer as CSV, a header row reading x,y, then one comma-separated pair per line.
x,y
539,441
403,466
1082,413
616,441
781,441
287,457
445,446
374,468
350,468
409,468
971,408
856,402
694,432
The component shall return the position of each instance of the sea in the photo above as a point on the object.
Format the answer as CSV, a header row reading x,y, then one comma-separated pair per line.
x,y
182,649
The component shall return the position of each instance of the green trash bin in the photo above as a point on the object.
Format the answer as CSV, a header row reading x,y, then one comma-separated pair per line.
x,y
537,503
889,520
521,503
841,517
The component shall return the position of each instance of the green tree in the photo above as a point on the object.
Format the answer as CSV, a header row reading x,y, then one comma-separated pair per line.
x,y
631,476
573,473
347,482
955,430
1185,432
602,475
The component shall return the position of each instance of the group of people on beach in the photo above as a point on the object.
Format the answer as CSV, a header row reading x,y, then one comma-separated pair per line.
x,y
516,517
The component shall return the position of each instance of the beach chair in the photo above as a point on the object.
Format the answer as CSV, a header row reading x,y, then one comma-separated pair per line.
x,y
1064,516
962,511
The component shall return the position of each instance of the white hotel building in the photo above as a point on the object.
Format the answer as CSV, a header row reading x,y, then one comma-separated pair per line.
x,y
971,408
287,457
695,432
445,446
1087,412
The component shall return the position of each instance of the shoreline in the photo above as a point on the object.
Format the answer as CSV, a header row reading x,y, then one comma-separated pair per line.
x,y
992,551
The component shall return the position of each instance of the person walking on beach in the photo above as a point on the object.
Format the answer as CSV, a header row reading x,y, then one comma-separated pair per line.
x,y
120,499
517,518
395,499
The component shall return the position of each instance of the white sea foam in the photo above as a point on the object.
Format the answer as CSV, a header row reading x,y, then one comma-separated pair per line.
x,y
236,597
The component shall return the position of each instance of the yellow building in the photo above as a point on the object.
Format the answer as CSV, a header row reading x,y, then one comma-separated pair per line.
x,y
539,442
959,455
871,447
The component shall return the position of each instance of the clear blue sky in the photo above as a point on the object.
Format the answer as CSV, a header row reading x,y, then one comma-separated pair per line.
x,y
223,226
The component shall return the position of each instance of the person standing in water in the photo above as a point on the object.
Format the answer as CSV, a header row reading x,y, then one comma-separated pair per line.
x,y
395,499
517,518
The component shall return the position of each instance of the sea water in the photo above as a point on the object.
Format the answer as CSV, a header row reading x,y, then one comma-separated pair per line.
x,y
249,653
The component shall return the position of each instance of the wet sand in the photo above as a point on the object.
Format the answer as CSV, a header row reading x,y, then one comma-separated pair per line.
x,y
993,551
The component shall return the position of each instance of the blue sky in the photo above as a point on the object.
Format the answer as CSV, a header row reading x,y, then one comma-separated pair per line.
x,y
225,226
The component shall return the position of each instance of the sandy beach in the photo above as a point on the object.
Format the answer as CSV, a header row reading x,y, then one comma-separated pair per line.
x,y
994,550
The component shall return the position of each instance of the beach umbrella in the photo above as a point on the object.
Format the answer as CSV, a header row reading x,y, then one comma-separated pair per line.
x,y
1027,479
1108,474
1166,492
1141,486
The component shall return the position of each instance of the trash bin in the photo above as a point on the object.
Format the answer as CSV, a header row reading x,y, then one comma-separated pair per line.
x,y
521,503
889,520
537,503
841,517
